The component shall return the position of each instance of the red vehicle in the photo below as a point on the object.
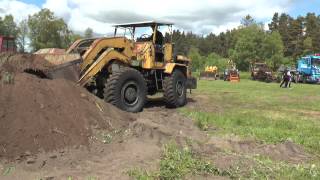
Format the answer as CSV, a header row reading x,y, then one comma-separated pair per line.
x,y
7,44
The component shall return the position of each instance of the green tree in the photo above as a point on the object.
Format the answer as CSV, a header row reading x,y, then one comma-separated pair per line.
x,y
88,33
48,31
273,49
247,21
74,37
248,46
274,25
196,59
8,27
284,31
214,59
307,46
295,44
312,26
22,35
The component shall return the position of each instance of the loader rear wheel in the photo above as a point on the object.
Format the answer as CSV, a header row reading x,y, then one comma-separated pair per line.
x,y
174,87
126,89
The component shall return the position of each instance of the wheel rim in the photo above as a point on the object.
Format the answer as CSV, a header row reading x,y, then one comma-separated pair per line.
x,y
179,88
129,93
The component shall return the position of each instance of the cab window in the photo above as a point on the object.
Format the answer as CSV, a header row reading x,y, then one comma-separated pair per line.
x,y
11,44
4,44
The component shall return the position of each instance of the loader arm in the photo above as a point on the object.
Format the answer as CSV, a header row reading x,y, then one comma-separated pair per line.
x,y
99,45
103,60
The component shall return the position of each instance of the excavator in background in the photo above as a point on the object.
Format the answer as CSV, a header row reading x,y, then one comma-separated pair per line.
x,y
123,71
209,73
231,73
261,72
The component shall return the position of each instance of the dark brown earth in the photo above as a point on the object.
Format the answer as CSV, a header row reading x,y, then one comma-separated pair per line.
x,y
54,129
44,115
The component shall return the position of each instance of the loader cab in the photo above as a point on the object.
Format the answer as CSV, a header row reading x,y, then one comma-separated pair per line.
x,y
148,37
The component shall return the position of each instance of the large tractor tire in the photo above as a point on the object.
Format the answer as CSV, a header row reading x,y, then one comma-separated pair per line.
x,y
174,87
126,89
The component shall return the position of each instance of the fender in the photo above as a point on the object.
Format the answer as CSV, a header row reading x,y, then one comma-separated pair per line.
x,y
169,68
100,63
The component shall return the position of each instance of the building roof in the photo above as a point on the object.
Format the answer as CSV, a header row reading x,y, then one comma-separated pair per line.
x,y
144,24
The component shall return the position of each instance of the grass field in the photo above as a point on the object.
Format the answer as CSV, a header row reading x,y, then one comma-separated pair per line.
x,y
263,111
254,111
268,114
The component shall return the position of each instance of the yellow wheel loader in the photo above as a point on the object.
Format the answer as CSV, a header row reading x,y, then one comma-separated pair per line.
x,y
209,73
124,69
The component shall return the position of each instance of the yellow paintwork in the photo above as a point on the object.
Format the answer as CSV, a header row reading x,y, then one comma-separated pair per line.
x,y
212,69
104,59
99,44
169,67
146,55
139,51
75,44
168,52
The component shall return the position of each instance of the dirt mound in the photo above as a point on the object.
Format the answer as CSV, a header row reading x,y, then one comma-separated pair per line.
x,y
17,63
44,115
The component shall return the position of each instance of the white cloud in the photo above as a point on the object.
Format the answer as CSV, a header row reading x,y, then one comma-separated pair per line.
x,y
191,15
19,9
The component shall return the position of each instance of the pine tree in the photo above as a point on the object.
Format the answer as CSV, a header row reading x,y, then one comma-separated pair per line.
x,y
284,31
274,25
296,38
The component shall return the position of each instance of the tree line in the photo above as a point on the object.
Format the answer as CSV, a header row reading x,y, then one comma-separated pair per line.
x,y
40,30
287,39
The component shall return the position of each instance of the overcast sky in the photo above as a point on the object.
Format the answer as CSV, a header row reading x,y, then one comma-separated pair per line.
x,y
199,16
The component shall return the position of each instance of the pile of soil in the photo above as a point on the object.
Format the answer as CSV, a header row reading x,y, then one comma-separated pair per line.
x,y
42,115
18,63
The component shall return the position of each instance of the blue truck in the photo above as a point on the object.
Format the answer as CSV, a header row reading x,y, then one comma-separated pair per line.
x,y
309,69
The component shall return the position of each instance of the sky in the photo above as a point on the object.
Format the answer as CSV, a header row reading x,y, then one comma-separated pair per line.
x,y
199,16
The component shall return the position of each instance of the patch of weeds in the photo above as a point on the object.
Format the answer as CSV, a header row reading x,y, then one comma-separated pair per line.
x,y
91,178
265,168
140,174
107,138
176,163
7,78
8,170
282,170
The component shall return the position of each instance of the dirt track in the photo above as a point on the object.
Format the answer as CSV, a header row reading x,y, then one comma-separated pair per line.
x,y
79,136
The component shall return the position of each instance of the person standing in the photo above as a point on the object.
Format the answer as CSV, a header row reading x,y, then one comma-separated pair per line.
x,y
289,76
284,78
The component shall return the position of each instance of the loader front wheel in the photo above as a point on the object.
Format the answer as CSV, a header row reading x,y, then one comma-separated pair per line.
x,y
126,89
174,87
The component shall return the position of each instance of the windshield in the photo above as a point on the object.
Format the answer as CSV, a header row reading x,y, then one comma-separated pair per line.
x,y
257,67
140,32
316,62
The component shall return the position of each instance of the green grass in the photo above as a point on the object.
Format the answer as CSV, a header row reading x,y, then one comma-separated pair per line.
x,y
179,163
253,110
263,111
176,163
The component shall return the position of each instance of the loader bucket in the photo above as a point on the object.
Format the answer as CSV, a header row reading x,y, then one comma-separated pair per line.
x,y
66,66
208,75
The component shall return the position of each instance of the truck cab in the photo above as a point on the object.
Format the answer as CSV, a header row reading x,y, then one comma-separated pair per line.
x,y
7,44
309,69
